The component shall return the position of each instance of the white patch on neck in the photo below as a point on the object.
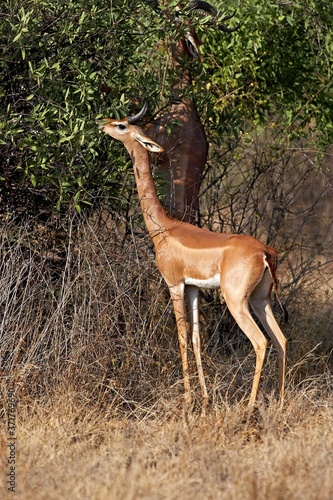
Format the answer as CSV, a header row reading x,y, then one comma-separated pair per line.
x,y
213,282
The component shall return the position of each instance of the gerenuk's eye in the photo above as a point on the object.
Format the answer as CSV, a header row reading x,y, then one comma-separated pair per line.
x,y
121,127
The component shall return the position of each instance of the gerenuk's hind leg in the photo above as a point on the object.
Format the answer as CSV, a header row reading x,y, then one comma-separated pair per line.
x,y
241,312
260,301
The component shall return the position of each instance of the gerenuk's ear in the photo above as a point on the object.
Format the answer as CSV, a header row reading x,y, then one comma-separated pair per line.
x,y
149,144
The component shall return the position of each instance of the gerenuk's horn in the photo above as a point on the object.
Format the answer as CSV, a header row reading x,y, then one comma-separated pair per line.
x,y
205,8
141,114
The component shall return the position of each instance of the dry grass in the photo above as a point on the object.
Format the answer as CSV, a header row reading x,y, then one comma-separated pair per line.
x,y
94,363
70,449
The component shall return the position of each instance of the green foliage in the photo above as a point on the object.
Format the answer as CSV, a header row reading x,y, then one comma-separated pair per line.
x,y
66,63
277,64
57,56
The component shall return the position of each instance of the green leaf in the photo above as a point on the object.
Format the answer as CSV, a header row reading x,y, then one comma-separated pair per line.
x,y
33,180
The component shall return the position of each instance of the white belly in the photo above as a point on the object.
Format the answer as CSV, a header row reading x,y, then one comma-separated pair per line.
x,y
213,282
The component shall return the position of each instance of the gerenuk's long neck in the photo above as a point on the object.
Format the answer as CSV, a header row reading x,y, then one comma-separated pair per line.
x,y
155,217
182,80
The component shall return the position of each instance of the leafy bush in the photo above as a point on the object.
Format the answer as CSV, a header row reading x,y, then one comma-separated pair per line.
x,y
65,63
57,58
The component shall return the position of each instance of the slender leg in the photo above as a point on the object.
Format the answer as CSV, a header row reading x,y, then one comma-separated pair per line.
x,y
241,313
192,295
261,305
178,300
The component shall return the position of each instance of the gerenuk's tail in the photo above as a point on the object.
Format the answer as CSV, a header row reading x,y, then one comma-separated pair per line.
x,y
272,261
